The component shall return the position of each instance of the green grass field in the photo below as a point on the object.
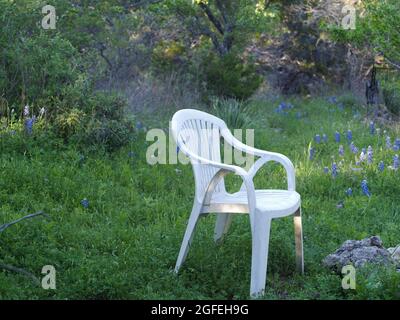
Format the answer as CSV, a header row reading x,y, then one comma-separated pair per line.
x,y
124,245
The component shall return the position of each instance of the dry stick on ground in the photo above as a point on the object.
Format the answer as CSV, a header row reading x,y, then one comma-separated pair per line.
x,y
12,268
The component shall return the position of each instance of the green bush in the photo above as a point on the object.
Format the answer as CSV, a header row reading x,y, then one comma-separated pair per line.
x,y
235,113
391,96
230,77
105,123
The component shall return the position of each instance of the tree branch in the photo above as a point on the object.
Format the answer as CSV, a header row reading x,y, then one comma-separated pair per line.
x,y
29,216
213,19
21,271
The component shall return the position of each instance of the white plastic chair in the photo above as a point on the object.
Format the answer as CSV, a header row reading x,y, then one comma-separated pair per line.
x,y
198,135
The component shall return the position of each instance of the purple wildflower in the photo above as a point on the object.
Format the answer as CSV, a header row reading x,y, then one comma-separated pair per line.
x,y
388,142
317,138
353,148
381,166
349,135
311,153
337,136
396,162
370,155
397,143
326,170
372,127
341,151
363,155
365,189
349,192
29,125
334,170
324,138
139,125
85,203
332,100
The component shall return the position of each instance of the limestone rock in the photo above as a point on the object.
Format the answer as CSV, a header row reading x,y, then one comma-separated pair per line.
x,y
358,253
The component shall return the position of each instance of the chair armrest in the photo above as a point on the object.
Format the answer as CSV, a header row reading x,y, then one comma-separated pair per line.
x,y
266,156
224,170
195,159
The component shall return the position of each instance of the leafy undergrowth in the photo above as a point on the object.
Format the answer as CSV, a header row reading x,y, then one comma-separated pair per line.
x,y
122,243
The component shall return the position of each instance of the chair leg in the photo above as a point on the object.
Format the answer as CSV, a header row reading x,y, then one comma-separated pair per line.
x,y
298,231
222,225
187,239
259,259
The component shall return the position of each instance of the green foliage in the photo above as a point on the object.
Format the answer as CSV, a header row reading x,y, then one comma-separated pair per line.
x,y
105,124
377,28
167,56
235,113
391,96
231,77
35,64
124,245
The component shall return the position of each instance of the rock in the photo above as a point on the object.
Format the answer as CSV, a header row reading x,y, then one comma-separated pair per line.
x,y
358,253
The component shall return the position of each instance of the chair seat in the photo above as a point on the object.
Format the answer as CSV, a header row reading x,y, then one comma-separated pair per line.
x,y
277,203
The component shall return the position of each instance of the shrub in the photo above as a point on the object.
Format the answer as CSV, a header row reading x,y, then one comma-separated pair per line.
x,y
391,96
233,112
69,123
105,123
230,77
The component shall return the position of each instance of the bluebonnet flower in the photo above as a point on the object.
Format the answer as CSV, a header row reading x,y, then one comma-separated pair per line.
x,y
388,142
372,127
326,170
289,106
397,143
363,155
279,110
381,166
29,125
353,148
26,111
85,203
334,170
311,153
139,125
365,189
340,204
332,100
131,154
349,192
340,106
349,135
396,162
317,138
370,155
341,151
324,138
337,136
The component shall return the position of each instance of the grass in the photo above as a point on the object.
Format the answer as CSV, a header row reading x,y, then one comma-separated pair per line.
x,y
124,245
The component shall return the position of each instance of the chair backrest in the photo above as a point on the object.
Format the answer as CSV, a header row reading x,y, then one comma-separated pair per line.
x,y
200,133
